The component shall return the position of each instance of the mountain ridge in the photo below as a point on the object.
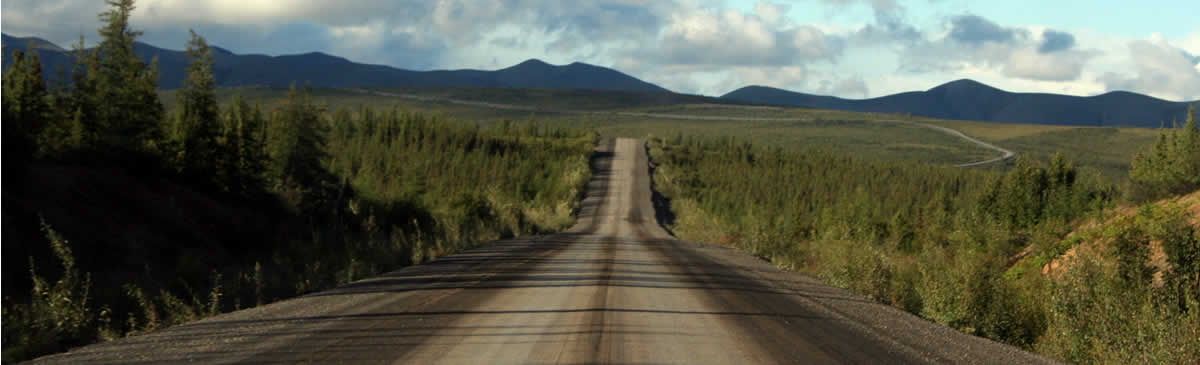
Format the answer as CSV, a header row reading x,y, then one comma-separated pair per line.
x,y
967,99
319,69
962,99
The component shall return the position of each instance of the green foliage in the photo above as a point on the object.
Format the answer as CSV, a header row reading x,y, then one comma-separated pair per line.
x,y
125,99
932,240
26,109
244,205
59,313
948,244
296,148
1107,308
1030,193
197,126
534,173
243,138
397,189
1171,166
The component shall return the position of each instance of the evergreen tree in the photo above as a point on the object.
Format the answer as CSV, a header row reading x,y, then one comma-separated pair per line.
x,y
25,110
130,113
83,101
1171,166
244,134
198,127
297,147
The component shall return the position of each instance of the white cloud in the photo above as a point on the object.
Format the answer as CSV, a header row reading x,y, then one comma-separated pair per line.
x,y
771,13
723,38
1031,63
849,87
686,45
1160,68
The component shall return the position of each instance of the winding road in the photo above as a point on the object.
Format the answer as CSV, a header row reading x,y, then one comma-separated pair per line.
x,y
615,288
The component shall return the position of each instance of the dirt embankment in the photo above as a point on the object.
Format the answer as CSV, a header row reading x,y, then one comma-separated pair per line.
x,y
1092,237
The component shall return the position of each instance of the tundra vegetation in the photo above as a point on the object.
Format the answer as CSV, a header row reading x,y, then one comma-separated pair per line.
x,y
122,217
1045,256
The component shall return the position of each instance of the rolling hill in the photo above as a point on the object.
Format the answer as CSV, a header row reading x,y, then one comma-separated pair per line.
x,y
962,99
322,70
971,100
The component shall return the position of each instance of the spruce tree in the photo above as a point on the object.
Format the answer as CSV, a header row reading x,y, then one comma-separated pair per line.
x,y
25,110
243,145
198,129
297,148
1171,166
82,101
131,114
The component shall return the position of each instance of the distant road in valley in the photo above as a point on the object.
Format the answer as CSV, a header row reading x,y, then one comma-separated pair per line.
x,y
1005,154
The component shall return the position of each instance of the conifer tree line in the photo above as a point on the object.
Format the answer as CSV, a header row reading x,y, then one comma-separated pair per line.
x,y
110,114
1172,166
307,198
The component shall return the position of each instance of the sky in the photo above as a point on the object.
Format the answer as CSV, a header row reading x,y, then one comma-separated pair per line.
x,y
846,48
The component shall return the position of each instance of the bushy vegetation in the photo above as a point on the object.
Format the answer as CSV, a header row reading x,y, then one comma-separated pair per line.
x,y
1172,166
160,217
1117,303
964,248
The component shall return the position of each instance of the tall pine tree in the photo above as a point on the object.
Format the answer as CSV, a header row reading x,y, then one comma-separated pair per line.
x,y
130,114
243,141
1171,166
200,156
25,111
297,148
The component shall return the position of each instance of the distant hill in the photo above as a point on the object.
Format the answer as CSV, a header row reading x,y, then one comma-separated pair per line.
x,y
322,70
971,100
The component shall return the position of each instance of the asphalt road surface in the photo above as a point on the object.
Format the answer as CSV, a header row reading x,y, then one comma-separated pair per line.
x,y
615,288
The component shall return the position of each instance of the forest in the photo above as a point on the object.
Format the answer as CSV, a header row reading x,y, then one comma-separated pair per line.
x,y
122,217
1048,257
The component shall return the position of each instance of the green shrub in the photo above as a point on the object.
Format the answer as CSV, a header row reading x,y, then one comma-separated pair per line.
x,y
1171,166
59,312
931,240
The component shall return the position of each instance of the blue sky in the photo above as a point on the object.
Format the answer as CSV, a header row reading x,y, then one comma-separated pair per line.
x,y
847,48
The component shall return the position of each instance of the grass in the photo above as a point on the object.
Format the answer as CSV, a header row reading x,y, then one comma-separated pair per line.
x,y
1106,149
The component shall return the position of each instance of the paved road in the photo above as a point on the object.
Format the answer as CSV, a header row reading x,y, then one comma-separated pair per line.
x,y
615,288
1005,154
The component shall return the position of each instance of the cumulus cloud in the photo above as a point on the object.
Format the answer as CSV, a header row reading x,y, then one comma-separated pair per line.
x,y
687,45
1160,68
974,29
889,23
698,36
1034,64
850,87
407,27
1054,41
974,42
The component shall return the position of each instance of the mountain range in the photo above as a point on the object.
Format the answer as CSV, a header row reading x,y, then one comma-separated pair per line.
x,y
322,70
971,100
962,99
